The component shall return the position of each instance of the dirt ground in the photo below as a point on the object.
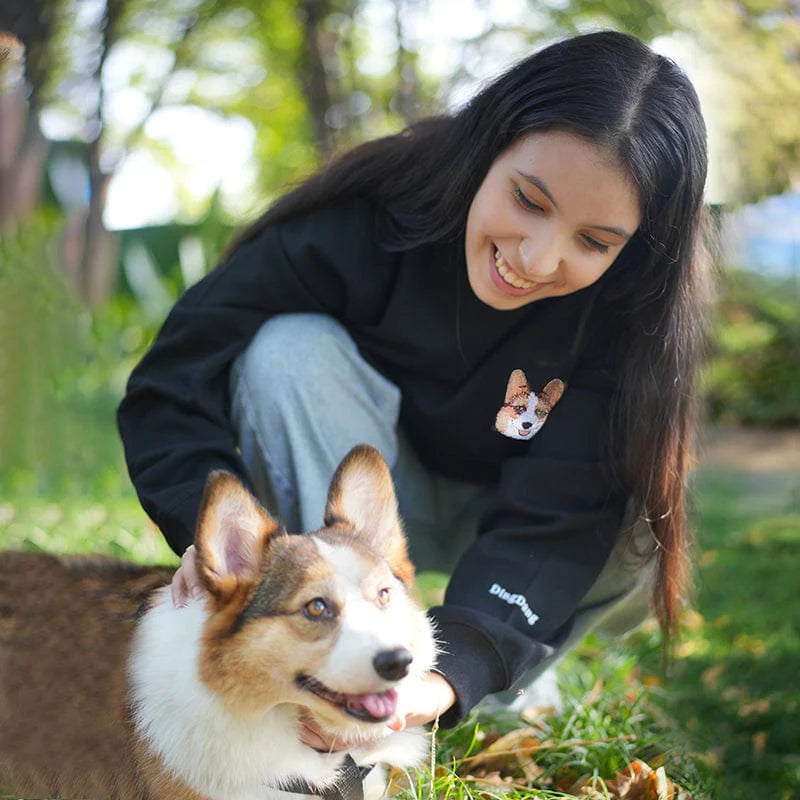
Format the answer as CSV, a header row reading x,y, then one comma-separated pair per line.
x,y
750,449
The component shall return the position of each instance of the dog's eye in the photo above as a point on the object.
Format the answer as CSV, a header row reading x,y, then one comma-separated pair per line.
x,y
316,608
520,409
383,597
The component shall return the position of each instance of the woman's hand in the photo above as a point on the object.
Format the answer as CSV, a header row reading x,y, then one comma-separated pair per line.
x,y
186,581
430,697
325,742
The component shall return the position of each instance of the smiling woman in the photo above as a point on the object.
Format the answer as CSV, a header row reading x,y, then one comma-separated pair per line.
x,y
550,217
505,302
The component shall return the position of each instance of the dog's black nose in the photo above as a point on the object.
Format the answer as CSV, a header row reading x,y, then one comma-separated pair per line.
x,y
527,425
392,664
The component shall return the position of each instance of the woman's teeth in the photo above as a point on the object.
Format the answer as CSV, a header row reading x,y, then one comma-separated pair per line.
x,y
507,275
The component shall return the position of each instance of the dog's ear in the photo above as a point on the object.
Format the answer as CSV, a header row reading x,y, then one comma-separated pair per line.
x,y
517,383
552,392
232,533
362,494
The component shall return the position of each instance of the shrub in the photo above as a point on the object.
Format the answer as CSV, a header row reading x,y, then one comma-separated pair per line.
x,y
753,374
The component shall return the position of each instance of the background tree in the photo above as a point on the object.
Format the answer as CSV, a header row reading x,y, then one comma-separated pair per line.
x,y
297,72
755,46
23,148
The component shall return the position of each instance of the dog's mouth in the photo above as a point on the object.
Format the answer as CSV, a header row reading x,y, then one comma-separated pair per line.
x,y
371,707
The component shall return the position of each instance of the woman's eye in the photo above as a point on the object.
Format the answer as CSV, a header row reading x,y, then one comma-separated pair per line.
x,y
528,204
316,608
383,597
595,245
524,200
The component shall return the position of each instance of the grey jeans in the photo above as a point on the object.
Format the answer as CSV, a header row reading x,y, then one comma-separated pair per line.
x,y
303,396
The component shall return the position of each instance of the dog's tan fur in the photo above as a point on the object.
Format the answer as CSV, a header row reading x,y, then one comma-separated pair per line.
x,y
65,630
67,625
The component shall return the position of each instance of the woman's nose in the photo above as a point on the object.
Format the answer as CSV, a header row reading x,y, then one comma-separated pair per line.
x,y
540,255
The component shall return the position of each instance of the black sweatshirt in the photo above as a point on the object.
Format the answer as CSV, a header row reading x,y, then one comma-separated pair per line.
x,y
555,511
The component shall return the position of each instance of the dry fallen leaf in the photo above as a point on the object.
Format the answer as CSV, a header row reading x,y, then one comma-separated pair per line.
x,y
632,783
638,781
493,782
505,753
531,771
591,793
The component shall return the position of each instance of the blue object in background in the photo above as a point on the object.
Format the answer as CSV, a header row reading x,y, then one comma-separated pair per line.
x,y
765,237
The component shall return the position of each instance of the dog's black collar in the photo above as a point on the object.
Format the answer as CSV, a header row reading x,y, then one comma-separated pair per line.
x,y
349,783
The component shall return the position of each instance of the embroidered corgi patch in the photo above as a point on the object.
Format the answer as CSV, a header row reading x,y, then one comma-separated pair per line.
x,y
524,412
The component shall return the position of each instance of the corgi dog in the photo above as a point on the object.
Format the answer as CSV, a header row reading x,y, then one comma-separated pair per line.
x,y
109,691
524,412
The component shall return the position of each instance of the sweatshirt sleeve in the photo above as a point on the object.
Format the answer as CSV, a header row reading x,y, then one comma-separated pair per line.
x,y
174,419
549,529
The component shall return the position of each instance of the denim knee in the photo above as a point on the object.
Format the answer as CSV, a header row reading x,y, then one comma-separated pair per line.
x,y
305,371
291,350
301,397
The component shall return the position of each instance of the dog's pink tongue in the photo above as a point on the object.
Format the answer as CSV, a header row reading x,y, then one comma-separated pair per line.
x,y
381,705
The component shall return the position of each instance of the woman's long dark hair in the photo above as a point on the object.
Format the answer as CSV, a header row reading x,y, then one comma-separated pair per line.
x,y
613,90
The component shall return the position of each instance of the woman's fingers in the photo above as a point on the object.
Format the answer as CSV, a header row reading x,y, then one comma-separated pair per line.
x,y
186,580
191,575
323,741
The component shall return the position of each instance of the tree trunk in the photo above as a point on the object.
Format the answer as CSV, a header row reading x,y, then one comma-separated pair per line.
x,y
99,262
315,84
23,148
406,100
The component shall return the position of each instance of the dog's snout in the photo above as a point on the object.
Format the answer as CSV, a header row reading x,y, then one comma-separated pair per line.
x,y
527,425
392,664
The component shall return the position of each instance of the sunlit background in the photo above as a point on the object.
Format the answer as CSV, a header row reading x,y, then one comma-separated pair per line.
x,y
184,148
137,135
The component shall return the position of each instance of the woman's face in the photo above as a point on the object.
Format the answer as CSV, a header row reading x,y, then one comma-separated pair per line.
x,y
550,217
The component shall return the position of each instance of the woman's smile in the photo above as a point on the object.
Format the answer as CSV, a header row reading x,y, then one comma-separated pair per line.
x,y
507,279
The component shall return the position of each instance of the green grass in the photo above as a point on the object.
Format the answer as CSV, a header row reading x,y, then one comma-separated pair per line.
x,y
112,524
734,688
725,722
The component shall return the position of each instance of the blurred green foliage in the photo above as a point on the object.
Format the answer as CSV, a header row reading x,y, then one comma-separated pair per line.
x,y
62,371
753,374
753,49
37,337
63,368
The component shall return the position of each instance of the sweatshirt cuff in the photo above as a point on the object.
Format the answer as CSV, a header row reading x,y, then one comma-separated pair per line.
x,y
470,661
470,665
